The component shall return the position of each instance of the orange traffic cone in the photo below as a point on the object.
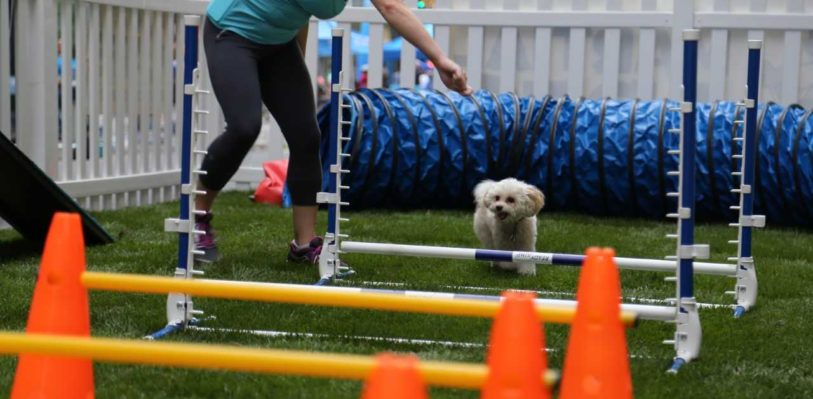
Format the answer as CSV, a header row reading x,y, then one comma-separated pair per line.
x,y
597,363
516,353
395,377
59,306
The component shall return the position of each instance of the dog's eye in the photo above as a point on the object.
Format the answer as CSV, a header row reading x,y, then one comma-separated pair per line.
x,y
497,198
510,200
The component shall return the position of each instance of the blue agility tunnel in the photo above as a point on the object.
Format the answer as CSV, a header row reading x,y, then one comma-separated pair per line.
x,y
414,149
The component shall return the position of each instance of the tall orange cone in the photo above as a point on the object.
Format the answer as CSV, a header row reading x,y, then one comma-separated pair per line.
x,y
597,363
59,306
516,352
395,377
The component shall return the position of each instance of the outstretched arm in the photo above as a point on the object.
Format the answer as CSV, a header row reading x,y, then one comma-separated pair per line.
x,y
410,27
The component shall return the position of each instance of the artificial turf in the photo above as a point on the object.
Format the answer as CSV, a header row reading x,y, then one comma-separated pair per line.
x,y
766,354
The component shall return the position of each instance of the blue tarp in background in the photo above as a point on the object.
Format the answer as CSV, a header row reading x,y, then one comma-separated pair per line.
x,y
425,149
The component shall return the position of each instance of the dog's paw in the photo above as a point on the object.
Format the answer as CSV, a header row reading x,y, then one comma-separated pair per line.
x,y
526,269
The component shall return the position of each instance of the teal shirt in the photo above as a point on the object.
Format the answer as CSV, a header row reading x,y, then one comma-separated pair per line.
x,y
270,21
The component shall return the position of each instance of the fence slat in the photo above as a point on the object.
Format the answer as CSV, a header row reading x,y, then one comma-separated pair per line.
x,y
144,117
375,60
93,91
167,148
542,55
107,90
792,57
132,94
719,57
5,70
576,55
612,55
179,88
121,89
347,59
121,148
66,98
144,99
508,52
156,133
81,118
474,58
36,99
21,41
683,19
407,70
757,6
49,117
443,36
646,56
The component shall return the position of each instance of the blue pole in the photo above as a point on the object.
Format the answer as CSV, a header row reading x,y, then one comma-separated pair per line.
x,y
336,68
190,63
687,199
749,152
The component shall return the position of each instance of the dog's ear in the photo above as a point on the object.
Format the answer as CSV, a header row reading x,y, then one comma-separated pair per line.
x,y
481,190
537,197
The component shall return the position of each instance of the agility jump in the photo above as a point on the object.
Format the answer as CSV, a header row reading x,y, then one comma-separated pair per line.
x,y
684,313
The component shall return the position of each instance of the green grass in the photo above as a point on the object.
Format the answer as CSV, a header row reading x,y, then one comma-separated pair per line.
x,y
767,354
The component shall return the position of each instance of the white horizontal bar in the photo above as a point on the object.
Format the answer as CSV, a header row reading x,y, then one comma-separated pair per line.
x,y
753,21
390,284
121,184
286,334
644,312
523,18
176,6
536,257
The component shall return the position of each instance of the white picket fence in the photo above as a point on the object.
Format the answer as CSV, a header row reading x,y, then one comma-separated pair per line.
x,y
112,139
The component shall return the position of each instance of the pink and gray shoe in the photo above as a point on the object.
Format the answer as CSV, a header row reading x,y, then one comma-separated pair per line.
x,y
207,243
309,254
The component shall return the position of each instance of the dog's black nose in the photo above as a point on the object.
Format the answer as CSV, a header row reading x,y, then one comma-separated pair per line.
x,y
499,207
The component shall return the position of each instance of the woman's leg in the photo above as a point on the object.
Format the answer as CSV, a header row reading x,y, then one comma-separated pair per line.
x,y
233,69
286,91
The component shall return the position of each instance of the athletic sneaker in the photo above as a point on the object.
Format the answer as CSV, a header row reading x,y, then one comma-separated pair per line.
x,y
206,242
308,254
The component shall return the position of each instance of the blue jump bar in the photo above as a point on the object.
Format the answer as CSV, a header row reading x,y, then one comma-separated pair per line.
x,y
190,63
750,150
689,149
335,79
539,258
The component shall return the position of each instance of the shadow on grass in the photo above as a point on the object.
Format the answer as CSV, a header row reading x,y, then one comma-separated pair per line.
x,y
18,248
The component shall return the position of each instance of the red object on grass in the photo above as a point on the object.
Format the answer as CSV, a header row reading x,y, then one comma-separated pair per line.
x,y
271,188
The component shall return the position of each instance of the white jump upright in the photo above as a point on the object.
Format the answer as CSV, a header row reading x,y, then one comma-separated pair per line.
x,y
745,291
688,332
329,263
180,307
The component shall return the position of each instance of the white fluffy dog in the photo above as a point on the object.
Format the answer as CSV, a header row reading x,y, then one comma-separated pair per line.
x,y
505,218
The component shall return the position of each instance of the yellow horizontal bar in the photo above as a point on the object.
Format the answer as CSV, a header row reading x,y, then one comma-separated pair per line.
x,y
313,295
233,358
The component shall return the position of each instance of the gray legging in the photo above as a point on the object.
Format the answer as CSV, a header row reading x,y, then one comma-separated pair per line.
x,y
246,75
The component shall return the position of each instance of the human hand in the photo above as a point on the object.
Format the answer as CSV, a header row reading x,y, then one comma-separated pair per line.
x,y
453,76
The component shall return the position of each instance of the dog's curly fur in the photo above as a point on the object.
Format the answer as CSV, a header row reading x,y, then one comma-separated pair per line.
x,y
505,218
